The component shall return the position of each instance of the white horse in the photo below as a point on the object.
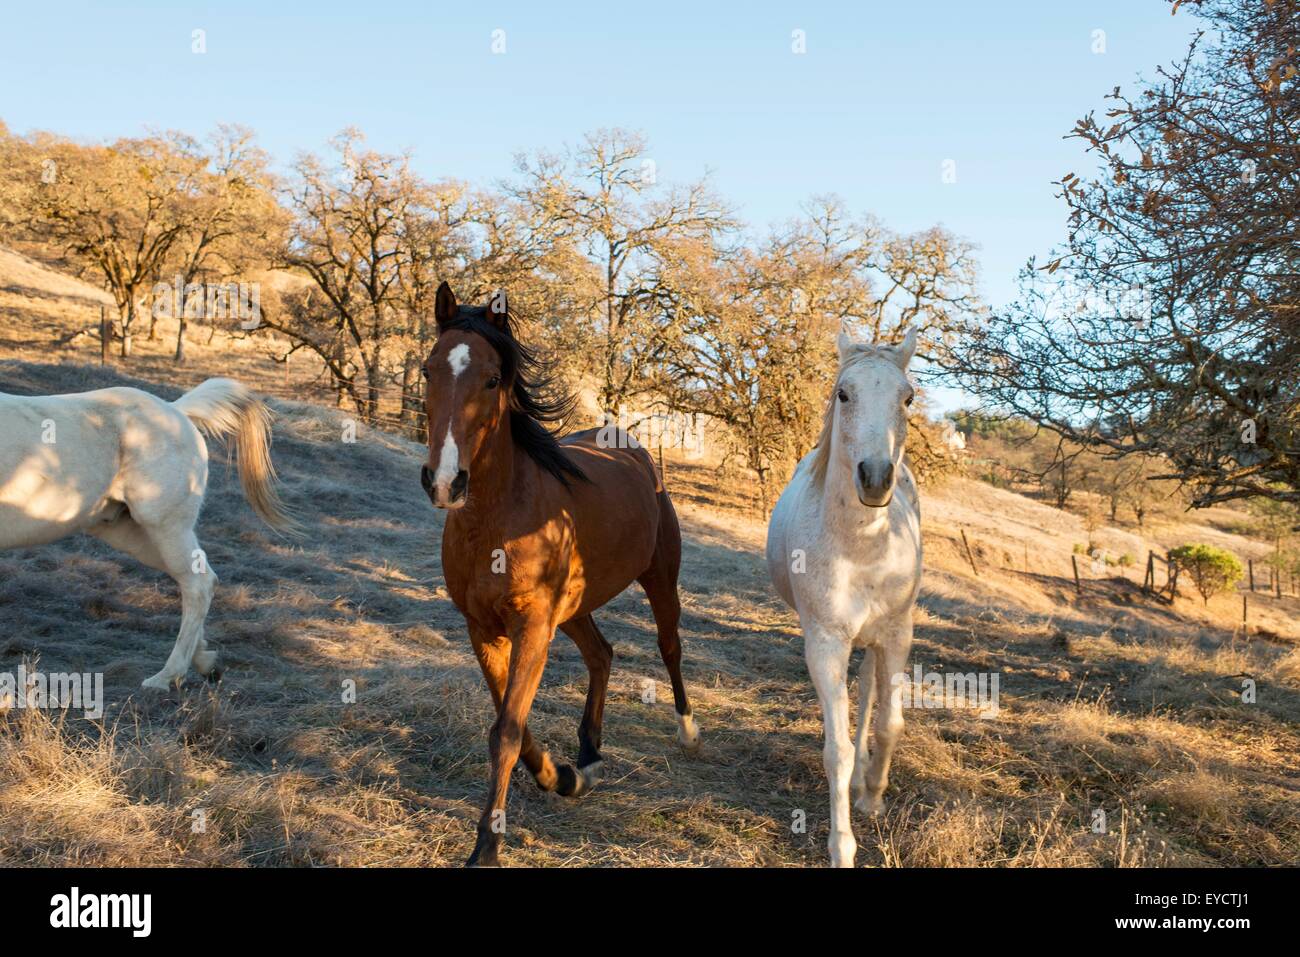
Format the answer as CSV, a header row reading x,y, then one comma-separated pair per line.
x,y
131,469
844,550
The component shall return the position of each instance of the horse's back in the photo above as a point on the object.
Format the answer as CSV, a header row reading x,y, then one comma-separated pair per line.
x,y
66,460
620,512
613,454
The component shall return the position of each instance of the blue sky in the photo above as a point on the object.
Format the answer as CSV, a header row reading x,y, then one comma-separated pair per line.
x,y
884,94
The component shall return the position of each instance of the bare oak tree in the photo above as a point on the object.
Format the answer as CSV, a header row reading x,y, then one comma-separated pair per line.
x,y
1168,325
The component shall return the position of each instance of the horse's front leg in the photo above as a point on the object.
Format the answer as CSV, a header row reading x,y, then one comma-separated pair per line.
x,y
891,667
827,655
529,644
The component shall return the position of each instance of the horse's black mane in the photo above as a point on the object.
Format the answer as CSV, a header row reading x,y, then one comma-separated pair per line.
x,y
535,403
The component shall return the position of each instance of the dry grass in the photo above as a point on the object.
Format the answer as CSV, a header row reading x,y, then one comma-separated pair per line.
x,y
1110,701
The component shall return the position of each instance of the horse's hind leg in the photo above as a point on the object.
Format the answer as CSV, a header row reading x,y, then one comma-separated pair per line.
x,y
188,565
177,554
866,696
660,584
891,660
598,655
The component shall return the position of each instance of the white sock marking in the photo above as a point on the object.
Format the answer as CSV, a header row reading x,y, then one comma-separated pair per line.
x,y
688,732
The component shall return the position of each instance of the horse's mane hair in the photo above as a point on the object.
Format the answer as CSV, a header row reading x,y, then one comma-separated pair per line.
x,y
820,455
536,404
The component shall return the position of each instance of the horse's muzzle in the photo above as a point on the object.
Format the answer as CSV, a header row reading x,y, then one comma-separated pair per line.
x,y
450,496
875,482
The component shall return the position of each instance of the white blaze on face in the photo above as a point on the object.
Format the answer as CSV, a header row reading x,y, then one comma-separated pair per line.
x,y
448,462
458,359
449,457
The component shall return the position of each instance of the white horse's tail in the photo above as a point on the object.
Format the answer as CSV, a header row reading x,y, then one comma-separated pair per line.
x,y
227,409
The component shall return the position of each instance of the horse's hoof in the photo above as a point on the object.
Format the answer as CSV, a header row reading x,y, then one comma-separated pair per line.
x,y
485,855
215,674
870,806
157,683
575,782
206,662
688,732
843,850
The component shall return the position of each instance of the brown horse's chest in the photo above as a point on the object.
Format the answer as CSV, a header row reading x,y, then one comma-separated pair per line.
x,y
495,577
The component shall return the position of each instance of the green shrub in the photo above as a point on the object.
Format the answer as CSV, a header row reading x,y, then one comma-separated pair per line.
x,y
1213,570
1126,560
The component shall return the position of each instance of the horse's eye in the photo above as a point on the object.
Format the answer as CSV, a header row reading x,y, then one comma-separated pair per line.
x,y
908,400
424,371
493,382
842,396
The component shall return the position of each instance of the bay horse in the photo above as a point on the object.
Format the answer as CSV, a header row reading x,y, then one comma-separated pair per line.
x,y
540,532
131,469
844,550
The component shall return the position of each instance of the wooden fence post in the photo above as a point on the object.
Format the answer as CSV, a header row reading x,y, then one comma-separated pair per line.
x,y
105,335
1074,560
1250,562
969,555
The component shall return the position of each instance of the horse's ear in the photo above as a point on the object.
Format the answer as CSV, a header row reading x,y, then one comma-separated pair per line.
x,y
902,353
844,342
444,305
498,309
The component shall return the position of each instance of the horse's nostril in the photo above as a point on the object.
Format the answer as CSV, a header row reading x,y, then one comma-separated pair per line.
x,y
458,484
426,480
876,477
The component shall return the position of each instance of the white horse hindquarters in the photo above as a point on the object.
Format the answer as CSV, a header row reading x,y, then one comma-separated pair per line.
x,y
131,470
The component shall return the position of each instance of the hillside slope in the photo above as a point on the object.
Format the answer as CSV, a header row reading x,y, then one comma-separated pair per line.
x,y
1109,700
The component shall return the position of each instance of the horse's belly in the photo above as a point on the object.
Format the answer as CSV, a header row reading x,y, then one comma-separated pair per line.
x,y
601,570
36,509
19,531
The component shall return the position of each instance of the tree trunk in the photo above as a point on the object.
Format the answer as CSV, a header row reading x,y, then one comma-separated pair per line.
x,y
373,383
411,406
180,342
128,321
